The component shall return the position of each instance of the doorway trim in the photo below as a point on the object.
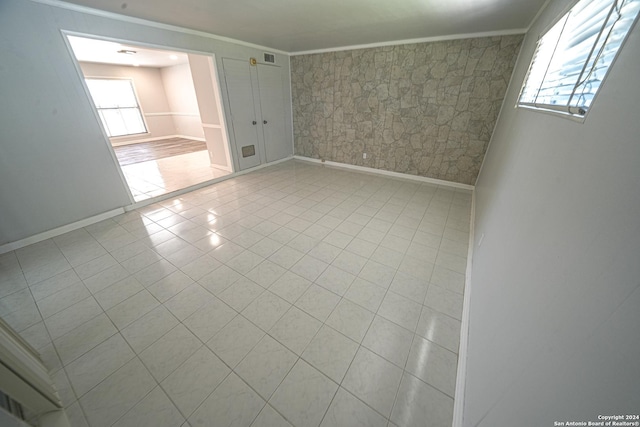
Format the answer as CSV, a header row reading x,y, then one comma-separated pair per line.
x,y
215,80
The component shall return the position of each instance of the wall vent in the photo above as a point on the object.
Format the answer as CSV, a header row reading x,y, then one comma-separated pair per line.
x,y
270,58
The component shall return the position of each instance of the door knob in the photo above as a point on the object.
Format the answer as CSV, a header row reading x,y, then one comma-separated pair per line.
x,y
254,122
264,121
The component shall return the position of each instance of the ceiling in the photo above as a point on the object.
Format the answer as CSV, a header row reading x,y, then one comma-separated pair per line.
x,y
303,25
106,52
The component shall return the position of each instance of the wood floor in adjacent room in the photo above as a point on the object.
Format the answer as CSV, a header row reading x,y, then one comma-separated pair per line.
x,y
154,150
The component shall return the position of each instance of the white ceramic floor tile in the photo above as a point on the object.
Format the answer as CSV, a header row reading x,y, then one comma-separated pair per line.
x,y
50,286
325,252
366,294
265,273
72,317
409,287
444,301
150,275
266,310
350,319
304,395
420,405
309,267
235,340
149,328
448,279
131,309
118,292
439,328
318,302
290,287
331,353
374,380
188,301
400,310
268,417
240,294
154,410
120,392
292,233
378,273
233,403
83,338
167,353
170,285
347,410
295,329
97,364
265,366
349,262
219,279
433,364
335,280
190,384
389,340
209,319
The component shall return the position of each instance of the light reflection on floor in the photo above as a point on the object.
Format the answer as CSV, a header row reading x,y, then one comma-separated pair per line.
x,y
157,177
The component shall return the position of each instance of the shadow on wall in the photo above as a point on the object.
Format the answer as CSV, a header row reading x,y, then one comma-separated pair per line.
x,y
425,109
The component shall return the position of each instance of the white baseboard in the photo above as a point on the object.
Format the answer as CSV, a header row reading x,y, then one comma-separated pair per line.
x,y
12,246
195,138
388,173
461,375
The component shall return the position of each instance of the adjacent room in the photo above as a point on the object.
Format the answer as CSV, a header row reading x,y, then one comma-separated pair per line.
x,y
147,102
319,214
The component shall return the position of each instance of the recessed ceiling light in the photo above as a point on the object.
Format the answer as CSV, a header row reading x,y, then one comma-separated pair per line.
x,y
135,64
174,57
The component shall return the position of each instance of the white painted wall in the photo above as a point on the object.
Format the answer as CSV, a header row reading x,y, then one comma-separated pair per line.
x,y
55,164
149,87
181,95
555,298
210,106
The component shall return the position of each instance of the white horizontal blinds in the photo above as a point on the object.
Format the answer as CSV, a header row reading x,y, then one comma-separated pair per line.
x,y
117,106
615,30
573,57
541,58
582,29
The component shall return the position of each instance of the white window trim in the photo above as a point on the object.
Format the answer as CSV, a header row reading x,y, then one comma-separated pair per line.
x,y
562,112
135,93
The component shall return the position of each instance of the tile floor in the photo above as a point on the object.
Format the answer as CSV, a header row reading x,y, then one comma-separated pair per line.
x,y
157,177
294,295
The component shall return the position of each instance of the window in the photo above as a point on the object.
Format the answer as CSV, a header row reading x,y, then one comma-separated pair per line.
x,y
573,57
117,106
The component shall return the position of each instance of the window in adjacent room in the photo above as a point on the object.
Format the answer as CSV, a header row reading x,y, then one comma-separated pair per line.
x,y
117,106
573,57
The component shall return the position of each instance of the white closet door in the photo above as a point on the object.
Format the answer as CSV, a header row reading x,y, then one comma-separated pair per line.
x,y
277,145
244,122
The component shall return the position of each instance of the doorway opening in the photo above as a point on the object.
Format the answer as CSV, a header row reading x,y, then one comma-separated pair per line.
x,y
160,110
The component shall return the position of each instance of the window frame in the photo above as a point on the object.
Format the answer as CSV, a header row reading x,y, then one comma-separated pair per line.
x,y
138,106
563,110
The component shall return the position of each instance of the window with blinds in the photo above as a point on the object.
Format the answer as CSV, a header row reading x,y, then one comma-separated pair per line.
x,y
117,106
573,57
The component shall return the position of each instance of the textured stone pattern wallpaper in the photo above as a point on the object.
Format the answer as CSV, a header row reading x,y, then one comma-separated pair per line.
x,y
425,109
